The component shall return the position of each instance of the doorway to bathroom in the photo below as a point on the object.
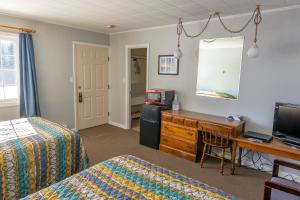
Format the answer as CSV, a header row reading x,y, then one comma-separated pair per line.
x,y
138,82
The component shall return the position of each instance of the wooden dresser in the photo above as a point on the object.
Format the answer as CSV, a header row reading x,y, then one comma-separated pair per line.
x,y
181,132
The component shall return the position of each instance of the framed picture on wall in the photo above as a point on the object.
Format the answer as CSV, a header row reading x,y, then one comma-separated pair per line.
x,y
168,65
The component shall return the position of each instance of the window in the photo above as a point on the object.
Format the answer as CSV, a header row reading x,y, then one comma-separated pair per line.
x,y
9,69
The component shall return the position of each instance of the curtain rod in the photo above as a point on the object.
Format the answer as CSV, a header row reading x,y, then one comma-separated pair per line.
x,y
24,30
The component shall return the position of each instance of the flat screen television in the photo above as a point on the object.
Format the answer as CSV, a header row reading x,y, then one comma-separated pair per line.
x,y
286,123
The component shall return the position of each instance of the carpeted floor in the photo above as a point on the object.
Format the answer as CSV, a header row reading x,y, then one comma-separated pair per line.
x,y
104,142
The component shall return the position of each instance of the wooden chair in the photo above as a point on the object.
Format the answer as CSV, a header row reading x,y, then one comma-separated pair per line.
x,y
279,188
215,135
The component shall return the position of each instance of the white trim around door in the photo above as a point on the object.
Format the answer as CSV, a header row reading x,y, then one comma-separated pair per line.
x,y
75,98
128,79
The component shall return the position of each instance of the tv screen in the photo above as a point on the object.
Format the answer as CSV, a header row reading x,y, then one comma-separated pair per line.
x,y
287,121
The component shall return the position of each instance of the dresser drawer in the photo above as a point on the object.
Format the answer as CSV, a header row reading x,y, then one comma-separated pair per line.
x,y
190,123
178,120
180,132
178,144
177,152
166,118
219,128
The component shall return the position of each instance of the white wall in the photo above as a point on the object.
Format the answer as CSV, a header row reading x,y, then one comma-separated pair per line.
x,y
9,113
272,77
53,50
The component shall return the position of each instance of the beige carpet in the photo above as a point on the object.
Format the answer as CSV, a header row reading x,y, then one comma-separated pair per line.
x,y
106,141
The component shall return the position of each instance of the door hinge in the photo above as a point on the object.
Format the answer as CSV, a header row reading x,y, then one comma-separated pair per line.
x,y
108,86
108,58
108,113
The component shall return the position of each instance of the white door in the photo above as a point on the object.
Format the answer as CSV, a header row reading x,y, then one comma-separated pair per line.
x,y
92,85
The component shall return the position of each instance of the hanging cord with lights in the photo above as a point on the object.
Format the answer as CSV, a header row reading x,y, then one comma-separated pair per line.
x,y
255,17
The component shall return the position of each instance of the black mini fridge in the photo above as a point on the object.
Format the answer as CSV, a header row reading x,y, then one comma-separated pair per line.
x,y
150,125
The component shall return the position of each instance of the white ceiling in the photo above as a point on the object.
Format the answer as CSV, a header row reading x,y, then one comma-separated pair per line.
x,y
128,14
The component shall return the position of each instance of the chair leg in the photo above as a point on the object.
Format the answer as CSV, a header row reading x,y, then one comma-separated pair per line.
x,y
203,155
240,157
222,161
209,150
267,193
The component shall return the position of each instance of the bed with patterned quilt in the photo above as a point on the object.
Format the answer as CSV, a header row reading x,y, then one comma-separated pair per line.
x,y
128,177
35,153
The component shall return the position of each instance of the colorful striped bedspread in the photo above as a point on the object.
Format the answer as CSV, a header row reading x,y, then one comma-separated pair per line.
x,y
128,177
35,153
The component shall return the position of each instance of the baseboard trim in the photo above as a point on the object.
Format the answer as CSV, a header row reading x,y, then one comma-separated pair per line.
x,y
117,124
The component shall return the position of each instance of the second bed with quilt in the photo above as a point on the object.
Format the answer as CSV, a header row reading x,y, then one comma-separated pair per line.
x,y
35,153
128,177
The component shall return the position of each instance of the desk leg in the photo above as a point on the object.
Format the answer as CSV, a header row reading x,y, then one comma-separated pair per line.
x,y
240,156
234,145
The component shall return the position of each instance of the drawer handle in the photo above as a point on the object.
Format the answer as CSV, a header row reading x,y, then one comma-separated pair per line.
x,y
190,133
189,146
165,140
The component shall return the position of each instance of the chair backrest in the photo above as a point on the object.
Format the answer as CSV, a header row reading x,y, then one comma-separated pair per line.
x,y
216,134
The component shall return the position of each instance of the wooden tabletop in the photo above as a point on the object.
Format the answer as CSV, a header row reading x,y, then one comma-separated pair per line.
x,y
204,117
275,147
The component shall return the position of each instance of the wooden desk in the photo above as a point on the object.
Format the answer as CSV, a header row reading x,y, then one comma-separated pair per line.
x,y
180,132
275,147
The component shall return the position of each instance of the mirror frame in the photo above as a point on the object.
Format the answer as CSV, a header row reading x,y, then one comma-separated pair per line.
x,y
210,94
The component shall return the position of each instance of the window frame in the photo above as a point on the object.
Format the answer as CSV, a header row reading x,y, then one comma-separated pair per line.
x,y
13,37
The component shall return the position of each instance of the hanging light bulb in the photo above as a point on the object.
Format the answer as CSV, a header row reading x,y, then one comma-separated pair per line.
x,y
178,53
253,51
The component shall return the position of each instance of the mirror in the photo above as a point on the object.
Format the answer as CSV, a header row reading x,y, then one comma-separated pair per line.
x,y
219,67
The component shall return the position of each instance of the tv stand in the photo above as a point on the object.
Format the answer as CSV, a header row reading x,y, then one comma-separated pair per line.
x,y
275,147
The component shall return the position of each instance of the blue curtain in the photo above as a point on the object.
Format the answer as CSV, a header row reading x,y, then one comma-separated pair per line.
x,y
29,101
